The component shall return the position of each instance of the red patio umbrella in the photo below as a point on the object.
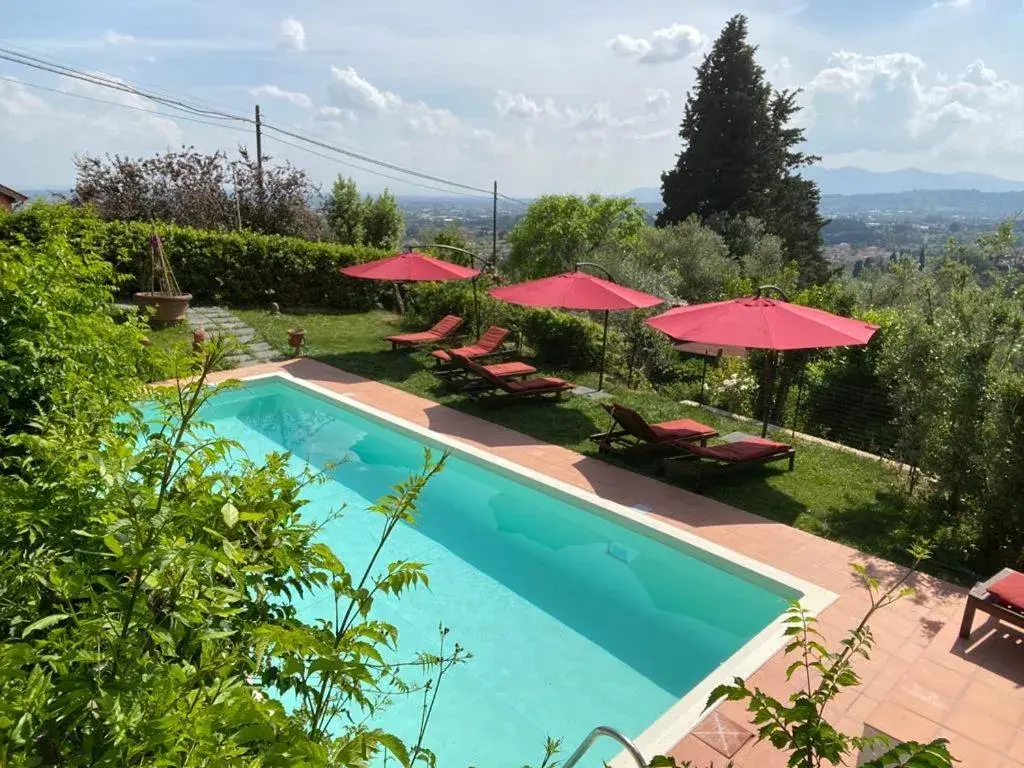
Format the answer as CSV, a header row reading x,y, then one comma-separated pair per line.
x,y
758,322
413,267
578,290
408,268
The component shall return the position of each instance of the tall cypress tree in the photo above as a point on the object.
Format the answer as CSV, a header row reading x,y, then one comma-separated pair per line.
x,y
739,155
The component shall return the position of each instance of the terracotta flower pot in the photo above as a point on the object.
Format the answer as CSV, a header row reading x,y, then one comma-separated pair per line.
x,y
169,309
296,339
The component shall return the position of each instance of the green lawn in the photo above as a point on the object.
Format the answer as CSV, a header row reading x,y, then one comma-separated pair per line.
x,y
831,493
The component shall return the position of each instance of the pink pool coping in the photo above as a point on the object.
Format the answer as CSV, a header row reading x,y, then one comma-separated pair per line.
x,y
922,681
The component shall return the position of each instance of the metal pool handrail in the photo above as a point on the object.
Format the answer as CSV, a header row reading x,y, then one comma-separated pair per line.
x,y
611,733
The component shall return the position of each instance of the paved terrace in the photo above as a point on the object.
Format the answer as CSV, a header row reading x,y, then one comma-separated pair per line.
x,y
921,682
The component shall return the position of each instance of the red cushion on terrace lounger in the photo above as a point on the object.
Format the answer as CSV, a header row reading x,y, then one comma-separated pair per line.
x,y
541,382
490,342
1010,589
446,325
515,368
747,449
680,429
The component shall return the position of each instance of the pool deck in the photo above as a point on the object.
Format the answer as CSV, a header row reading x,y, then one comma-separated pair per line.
x,y
921,682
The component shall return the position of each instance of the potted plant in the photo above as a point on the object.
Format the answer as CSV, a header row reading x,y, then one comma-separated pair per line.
x,y
169,303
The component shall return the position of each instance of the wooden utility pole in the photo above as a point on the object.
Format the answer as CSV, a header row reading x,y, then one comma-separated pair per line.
x,y
494,228
259,159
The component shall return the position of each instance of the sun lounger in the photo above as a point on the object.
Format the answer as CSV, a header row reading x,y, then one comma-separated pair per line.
x,y
1001,596
745,452
490,384
487,345
444,329
460,377
632,433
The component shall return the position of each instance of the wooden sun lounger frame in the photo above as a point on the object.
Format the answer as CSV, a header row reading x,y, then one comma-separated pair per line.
x,y
454,334
980,599
462,379
486,388
629,444
710,466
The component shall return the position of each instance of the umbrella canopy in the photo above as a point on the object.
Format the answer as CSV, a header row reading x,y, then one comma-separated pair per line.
x,y
578,290
409,268
762,323
575,290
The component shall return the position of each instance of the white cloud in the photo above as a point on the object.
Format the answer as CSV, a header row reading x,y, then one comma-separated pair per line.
x,y
336,113
273,92
291,34
348,89
658,101
951,3
355,94
891,103
522,106
16,101
670,44
116,38
659,135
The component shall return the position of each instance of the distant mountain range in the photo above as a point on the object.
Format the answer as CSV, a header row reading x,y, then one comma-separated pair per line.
x,y
858,181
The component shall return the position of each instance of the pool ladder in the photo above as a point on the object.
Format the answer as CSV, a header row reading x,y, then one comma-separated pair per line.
x,y
611,733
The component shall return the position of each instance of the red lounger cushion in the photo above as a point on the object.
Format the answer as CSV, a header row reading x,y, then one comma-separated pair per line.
x,y
1010,589
747,449
542,382
502,370
680,428
473,350
412,338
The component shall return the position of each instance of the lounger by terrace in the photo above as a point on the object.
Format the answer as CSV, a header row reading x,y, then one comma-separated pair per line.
x,y
1001,596
444,329
635,435
730,456
490,384
460,377
488,345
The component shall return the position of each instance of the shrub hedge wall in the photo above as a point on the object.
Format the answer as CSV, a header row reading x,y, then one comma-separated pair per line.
x,y
236,268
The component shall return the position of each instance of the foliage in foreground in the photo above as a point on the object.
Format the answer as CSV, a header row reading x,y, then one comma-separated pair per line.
x,y
145,604
798,726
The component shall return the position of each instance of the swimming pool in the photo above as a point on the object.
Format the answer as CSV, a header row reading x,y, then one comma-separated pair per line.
x,y
578,612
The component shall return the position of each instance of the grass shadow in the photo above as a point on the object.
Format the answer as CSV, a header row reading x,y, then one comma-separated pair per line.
x,y
384,366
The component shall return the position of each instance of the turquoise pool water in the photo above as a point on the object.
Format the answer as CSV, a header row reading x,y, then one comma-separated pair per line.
x,y
573,619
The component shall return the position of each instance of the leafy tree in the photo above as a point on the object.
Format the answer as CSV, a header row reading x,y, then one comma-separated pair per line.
x,y
560,230
278,201
695,259
191,188
739,156
343,210
383,223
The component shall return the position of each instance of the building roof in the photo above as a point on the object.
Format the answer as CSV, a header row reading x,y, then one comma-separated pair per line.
x,y
13,194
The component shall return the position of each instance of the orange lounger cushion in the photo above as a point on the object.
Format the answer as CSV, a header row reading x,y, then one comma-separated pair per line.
x,y
679,429
411,338
541,382
1010,589
748,449
505,370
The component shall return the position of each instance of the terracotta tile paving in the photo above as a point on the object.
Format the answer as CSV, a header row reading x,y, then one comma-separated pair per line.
x,y
922,682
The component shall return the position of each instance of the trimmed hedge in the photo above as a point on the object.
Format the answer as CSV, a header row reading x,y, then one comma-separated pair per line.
x,y
237,268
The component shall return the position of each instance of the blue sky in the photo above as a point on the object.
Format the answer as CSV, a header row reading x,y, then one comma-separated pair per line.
x,y
540,95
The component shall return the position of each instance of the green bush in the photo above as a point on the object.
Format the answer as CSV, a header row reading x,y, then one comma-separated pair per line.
x,y
62,344
236,268
565,339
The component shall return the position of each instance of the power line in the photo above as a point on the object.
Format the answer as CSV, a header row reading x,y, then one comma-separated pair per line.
x,y
108,82
114,103
366,170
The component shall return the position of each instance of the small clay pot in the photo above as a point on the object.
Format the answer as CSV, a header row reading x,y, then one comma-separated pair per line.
x,y
198,337
296,339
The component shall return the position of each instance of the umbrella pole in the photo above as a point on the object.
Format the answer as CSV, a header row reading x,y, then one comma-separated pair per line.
x,y
604,352
476,308
703,376
766,401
